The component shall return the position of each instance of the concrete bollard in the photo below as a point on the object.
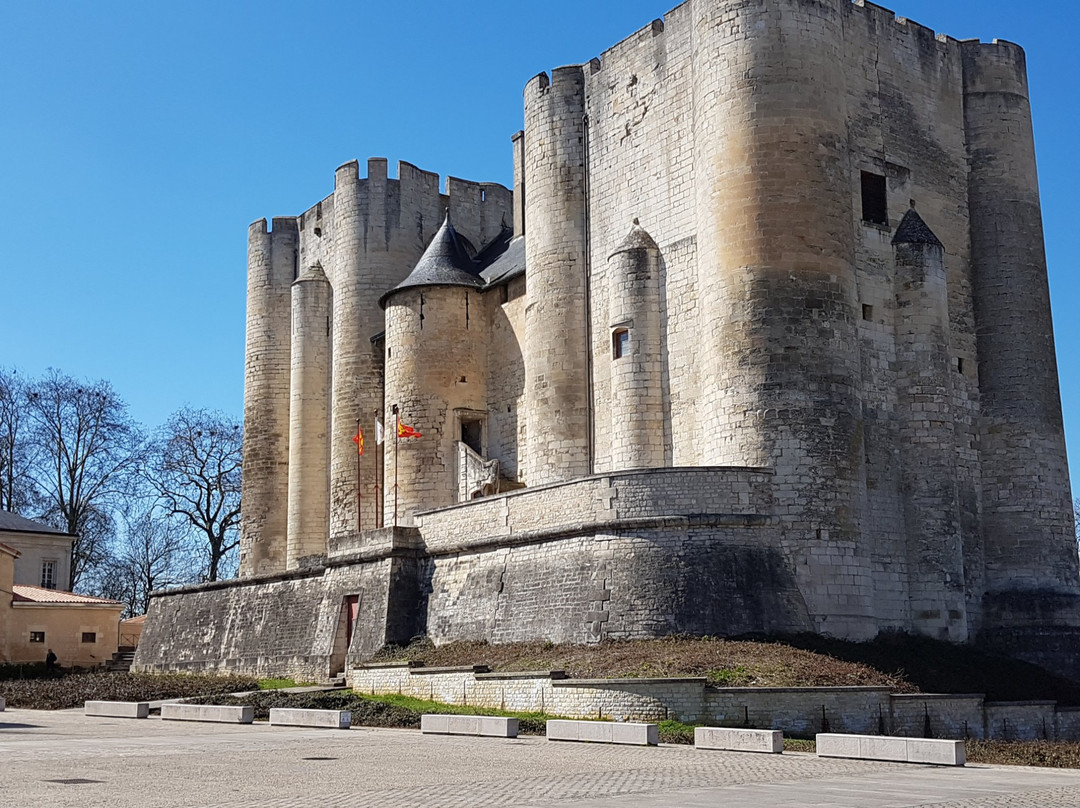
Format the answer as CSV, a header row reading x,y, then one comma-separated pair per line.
x,y
603,732
320,719
482,725
770,741
897,750
213,713
117,709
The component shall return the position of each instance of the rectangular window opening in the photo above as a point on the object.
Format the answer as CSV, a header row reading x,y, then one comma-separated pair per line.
x,y
875,199
620,343
37,636
89,636
867,312
48,574
959,364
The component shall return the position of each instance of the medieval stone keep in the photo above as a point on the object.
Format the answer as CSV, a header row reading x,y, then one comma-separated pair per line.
x,y
760,341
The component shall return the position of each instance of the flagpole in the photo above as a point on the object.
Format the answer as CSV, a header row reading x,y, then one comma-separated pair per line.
x,y
359,487
378,463
397,428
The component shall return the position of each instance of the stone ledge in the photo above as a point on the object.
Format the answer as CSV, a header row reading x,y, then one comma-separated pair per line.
x,y
935,696
117,709
553,675
769,741
821,690
211,713
479,725
378,666
459,669
895,750
323,719
603,732
628,682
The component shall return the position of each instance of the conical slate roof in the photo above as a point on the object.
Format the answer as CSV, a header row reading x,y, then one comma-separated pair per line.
x,y
444,263
637,239
913,230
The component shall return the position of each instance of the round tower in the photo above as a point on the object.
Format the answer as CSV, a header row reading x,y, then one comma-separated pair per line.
x,y
271,269
1028,533
436,334
637,401
935,557
556,367
309,418
777,285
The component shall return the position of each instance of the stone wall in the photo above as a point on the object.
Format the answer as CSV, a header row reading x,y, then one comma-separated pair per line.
x,y
798,712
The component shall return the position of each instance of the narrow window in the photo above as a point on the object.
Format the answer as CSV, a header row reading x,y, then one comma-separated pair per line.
x,y
89,636
959,364
875,205
37,636
48,574
867,312
620,343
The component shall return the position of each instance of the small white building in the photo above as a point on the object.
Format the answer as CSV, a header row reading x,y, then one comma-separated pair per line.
x,y
44,552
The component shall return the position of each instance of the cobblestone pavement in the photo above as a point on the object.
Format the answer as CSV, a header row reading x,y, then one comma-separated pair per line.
x,y
155,764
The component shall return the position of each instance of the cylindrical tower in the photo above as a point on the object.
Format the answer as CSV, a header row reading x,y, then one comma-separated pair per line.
x,y
271,269
357,386
1027,515
935,558
309,418
777,286
556,367
436,369
637,400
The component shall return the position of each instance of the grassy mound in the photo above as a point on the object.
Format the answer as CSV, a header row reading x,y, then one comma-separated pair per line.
x,y
901,662
723,662
73,690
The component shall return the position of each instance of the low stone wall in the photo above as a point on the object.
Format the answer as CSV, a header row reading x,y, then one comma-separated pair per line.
x,y
932,715
798,712
1020,720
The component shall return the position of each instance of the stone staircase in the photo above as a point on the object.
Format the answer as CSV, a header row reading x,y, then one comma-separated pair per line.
x,y
121,661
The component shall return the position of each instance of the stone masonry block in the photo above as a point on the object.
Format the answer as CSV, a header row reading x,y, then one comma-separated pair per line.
x,y
482,725
739,740
117,709
213,713
603,732
321,719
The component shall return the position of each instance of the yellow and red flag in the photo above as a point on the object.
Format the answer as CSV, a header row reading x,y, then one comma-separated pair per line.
x,y
407,431
358,439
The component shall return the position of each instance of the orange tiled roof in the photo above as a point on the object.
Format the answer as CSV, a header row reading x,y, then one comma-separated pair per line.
x,y
39,594
134,621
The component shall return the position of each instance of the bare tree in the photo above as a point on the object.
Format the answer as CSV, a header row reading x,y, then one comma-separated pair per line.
x,y
16,486
87,451
151,552
195,468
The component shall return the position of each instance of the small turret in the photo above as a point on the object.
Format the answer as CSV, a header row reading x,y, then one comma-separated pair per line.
x,y
637,388
436,374
444,263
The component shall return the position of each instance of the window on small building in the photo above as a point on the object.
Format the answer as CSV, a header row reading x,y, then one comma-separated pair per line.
x,y
875,199
48,574
620,343
89,636
37,636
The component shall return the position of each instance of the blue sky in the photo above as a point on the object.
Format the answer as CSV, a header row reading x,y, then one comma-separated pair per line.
x,y
139,139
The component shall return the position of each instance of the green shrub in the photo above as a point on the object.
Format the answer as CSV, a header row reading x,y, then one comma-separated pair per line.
x,y
74,689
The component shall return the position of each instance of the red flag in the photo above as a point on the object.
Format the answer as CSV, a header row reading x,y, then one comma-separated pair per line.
x,y
358,439
407,431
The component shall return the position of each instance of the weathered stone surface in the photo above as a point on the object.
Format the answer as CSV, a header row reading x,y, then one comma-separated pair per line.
x,y
739,740
117,709
848,411
486,725
603,732
214,713
900,750
325,719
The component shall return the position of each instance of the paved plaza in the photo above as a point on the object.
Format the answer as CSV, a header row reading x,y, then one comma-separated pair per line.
x,y
67,759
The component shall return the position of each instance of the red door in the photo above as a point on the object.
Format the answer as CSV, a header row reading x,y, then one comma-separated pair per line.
x,y
352,610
